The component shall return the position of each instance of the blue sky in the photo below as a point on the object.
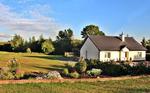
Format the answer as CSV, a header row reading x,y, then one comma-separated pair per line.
x,y
47,17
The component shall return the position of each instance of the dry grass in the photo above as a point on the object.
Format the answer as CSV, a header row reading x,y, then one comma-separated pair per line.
x,y
36,62
141,85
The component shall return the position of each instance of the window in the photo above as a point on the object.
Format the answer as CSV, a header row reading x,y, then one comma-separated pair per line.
x,y
139,54
126,54
107,55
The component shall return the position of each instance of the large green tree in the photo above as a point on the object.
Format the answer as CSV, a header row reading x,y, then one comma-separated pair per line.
x,y
17,43
91,30
47,46
63,42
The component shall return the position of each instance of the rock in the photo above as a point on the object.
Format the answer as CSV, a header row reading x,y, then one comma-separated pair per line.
x,y
54,75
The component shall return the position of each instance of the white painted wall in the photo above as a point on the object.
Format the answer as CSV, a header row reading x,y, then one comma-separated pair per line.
x,y
133,55
114,56
92,51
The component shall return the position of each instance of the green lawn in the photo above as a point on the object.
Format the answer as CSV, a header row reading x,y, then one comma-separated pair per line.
x,y
125,86
34,62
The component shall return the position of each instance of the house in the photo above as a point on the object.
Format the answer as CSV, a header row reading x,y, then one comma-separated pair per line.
x,y
117,48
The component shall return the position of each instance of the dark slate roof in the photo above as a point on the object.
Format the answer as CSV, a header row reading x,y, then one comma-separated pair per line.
x,y
114,43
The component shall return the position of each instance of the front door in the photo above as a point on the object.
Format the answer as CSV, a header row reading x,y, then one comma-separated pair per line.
x,y
127,55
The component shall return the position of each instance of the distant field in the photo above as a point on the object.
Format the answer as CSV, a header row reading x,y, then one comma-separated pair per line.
x,y
34,62
124,86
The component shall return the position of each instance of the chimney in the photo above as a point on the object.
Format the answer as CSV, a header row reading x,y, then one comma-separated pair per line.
x,y
122,37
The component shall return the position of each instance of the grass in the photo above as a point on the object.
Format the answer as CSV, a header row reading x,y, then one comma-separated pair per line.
x,y
35,62
141,85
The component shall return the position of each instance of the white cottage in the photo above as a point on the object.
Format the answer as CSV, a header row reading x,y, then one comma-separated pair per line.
x,y
107,48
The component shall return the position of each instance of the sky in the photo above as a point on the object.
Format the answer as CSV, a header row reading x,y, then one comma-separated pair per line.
x,y
35,17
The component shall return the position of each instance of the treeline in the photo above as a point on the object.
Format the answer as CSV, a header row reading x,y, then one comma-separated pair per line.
x,y
146,44
64,42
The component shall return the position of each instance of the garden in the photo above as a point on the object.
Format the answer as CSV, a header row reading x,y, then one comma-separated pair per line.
x,y
69,70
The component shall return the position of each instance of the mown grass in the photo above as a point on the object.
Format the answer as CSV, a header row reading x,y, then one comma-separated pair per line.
x,y
34,62
124,86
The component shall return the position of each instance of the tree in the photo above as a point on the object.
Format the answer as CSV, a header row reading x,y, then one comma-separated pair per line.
x,y
91,30
66,34
63,42
144,42
17,43
47,47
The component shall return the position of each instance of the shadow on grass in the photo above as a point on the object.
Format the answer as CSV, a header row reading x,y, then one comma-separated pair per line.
x,y
53,57
51,68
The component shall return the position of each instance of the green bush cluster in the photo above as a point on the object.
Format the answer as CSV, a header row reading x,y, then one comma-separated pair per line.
x,y
74,75
12,71
113,69
81,66
94,72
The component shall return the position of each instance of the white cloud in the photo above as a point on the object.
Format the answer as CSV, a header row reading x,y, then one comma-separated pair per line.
x,y
37,23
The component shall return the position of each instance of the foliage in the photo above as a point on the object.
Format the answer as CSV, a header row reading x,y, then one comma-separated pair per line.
x,y
74,75
66,34
63,42
81,66
17,43
5,74
28,50
148,57
65,71
91,30
112,69
143,42
94,72
140,69
13,65
47,47
92,63
18,74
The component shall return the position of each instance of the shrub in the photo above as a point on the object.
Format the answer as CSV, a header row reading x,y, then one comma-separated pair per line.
x,y
94,72
5,74
74,75
13,65
92,63
81,66
53,75
70,68
139,70
28,50
112,69
65,72
148,57
18,74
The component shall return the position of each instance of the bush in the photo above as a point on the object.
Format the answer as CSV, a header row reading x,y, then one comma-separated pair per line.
x,y
94,72
13,65
28,50
18,74
65,72
70,68
112,69
5,74
139,70
148,57
74,75
92,63
81,66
